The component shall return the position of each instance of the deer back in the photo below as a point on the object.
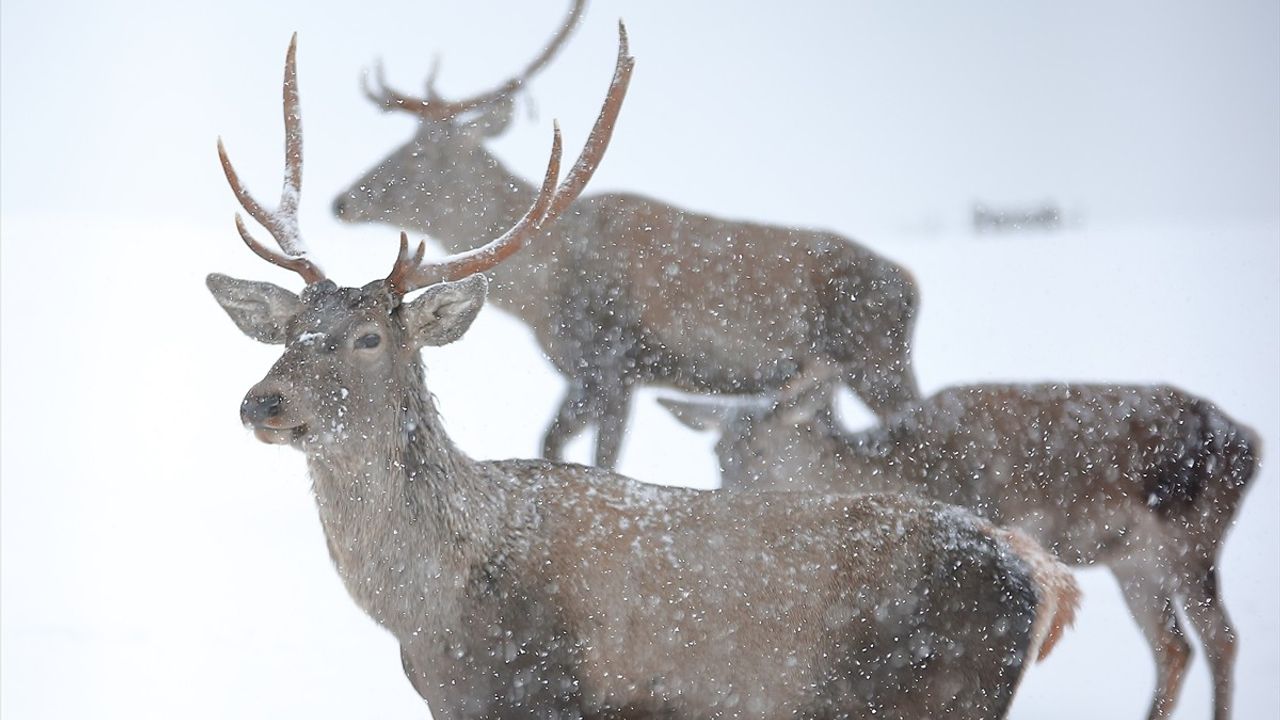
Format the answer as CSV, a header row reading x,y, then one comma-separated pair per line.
x,y
688,300
1079,465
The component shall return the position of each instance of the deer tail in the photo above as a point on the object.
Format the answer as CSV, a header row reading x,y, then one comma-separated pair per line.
x,y
1057,595
1210,463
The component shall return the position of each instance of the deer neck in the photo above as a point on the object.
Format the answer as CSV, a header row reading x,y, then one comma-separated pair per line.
x,y
406,514
871,452
487,201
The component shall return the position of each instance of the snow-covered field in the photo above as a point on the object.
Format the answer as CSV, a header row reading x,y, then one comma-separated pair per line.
x,y
158,562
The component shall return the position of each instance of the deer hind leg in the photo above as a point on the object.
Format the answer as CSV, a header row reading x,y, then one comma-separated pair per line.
x,y
1151,604
1203,606
570,420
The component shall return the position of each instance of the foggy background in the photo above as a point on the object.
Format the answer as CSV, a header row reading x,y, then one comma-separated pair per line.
x,y
157,561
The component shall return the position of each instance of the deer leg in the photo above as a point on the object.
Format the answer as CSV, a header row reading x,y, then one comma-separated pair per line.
x,y
612,424
1151,605
570,419
1203,605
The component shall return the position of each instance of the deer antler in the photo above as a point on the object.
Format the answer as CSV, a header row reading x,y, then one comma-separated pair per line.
x,y
601,133
433,107
410,273
282,222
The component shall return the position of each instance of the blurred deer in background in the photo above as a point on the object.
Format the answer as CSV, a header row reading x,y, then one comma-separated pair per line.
x,y
1142,479
626,290
528,589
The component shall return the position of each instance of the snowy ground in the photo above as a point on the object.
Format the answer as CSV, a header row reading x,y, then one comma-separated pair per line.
x,y
157,562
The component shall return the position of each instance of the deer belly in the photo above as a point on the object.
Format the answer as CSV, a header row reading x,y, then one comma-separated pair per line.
x,y
1080,523
740,335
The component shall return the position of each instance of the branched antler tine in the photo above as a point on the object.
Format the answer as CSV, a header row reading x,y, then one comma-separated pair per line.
x,y
499,249
255,210
291,193
432,75
539,62
375,97
553,47
395,280
401,272
490,254
601,133
309,271
282,223
433,107
389,98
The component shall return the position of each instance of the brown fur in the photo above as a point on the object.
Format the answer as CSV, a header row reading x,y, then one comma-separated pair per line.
x,y
627,290
1143,479
529,589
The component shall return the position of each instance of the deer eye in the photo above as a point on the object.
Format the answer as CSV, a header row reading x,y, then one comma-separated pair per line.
x,y
368,340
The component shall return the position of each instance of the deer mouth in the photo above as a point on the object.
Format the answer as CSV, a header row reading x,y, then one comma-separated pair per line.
x,y
279,436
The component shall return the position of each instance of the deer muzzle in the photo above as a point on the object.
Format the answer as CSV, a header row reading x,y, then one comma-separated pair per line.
x,y
264,413
340,207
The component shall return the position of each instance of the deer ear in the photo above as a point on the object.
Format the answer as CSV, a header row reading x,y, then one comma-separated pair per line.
x,y
444,311
261,310
698,415
811,403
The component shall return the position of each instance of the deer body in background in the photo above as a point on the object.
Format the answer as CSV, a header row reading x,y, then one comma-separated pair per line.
x,y
1142,479
530,589
627,290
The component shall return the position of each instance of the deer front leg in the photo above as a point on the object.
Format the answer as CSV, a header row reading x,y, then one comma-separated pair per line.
x,y
570,419
1151,605
611,425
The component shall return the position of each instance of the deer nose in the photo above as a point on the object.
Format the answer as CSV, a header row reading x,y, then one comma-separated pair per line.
x,y
257,409
340,206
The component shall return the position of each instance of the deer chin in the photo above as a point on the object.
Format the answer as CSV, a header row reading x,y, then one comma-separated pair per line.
x,y
279,436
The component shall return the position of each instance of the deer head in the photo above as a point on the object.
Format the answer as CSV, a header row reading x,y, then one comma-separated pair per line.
x,y
445,163
766,444
351,352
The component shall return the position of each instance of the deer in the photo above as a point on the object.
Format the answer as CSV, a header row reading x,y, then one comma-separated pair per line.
x,y
627,290
537,589
1144,479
